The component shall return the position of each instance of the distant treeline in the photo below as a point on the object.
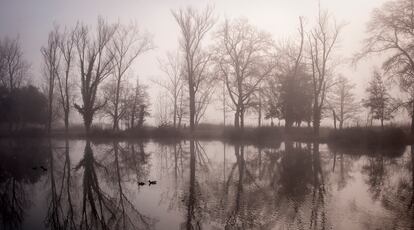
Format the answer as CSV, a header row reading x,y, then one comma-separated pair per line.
x,y
23,107
88,69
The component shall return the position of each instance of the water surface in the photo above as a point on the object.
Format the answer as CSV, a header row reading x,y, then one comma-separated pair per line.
x,y
203,185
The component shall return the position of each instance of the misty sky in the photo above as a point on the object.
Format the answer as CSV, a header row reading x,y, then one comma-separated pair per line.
x,y
32,20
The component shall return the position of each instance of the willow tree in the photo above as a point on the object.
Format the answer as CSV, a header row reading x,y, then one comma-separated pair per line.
x,y
95,65
244,58
194,25
391,33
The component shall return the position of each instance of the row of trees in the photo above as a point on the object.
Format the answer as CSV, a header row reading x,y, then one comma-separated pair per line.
x,y
81,57
94,56
294,81
20,104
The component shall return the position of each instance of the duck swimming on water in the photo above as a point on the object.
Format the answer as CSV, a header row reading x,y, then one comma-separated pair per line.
x,y
152,182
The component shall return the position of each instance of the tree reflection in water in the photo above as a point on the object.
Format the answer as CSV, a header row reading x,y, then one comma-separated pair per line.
x,y
16,174
60,214
280,187
391,181
98,207
204,186
194,199
256,190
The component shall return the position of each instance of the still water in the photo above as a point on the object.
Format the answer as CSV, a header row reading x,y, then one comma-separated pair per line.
x,y
79,184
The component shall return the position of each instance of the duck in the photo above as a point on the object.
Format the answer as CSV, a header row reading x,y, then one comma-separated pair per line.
x,y
152,182
141,183
34,168
43,168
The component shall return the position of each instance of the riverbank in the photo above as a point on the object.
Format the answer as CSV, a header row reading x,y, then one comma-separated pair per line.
x,y
355,136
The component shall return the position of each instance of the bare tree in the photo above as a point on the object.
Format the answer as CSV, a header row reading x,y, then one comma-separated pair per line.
x,y
342,101
67,50
135,101
51,61
204,96
182,110
113,103
174,84
95,61
194,25
256,105
322,40
222,97
391,33
14,68
127,44
162,109
244,58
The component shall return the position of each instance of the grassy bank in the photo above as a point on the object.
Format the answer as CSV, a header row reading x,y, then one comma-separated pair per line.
x,y
356,136
370,137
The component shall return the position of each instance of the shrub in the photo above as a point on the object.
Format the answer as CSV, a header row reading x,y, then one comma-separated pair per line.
x,y
360,136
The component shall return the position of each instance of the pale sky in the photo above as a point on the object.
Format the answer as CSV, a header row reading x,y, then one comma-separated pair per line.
x,y
32,20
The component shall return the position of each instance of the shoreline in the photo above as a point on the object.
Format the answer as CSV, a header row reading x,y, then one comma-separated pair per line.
x,y
262,136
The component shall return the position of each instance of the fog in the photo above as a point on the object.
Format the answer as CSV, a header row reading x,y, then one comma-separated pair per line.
x,y
32,20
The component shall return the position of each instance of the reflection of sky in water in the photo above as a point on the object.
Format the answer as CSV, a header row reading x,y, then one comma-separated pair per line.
x,y
278,190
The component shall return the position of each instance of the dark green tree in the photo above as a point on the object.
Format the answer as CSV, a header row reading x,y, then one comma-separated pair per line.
x,y
379,101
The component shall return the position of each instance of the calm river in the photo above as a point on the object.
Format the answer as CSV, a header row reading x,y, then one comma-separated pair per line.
x,y
79,184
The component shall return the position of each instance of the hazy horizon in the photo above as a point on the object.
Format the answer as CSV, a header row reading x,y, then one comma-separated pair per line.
x,y
32,21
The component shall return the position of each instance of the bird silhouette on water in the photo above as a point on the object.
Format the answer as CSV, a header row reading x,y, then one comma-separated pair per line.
x,y
141,183
41,167
152,182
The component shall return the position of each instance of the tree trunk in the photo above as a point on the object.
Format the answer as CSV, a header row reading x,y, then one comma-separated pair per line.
x,y
242,118
175,112
115,126
334,118
50,104
66,118
192,105
117,93
412,119
236,118
192,184
132,122
141,116
87,120
316,118
49,115
288,124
